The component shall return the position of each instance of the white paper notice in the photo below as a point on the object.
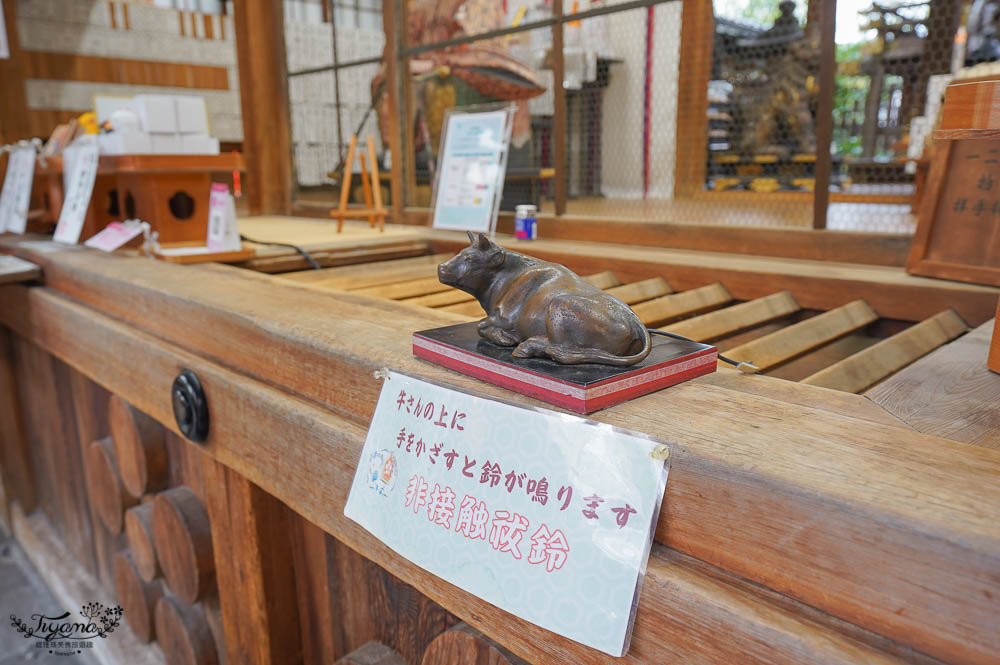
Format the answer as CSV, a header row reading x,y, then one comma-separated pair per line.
x,y
546,515
80,185
16,194
115,235
4,43
223,236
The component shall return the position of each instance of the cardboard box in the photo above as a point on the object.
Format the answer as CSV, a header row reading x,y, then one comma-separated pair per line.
x,y
157,113
192,115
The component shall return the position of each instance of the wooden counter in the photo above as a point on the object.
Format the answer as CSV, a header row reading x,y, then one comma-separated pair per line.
x,y
800,524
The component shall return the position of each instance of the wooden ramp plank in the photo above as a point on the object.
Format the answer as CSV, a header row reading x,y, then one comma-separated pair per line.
x,y
407,289
370,274
666,308
797,339
604,280
637,292
866,368
452,296
470,308
949,392
729,320
824,356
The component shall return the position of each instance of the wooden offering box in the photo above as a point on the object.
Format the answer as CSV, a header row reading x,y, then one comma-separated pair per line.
x,y
170,192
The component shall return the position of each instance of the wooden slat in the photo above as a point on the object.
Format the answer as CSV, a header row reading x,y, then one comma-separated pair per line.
x,y
13,269
794,340
685,605
950,392
868,367
470,308
604,280
666,308
400,290
126,71
817,482
732,319
370,274
823,356
639,291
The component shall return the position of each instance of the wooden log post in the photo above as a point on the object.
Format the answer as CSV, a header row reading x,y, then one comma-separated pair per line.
x,y
183,542
104,485
463,644
139,444
139,534
183,634
373,653
137,597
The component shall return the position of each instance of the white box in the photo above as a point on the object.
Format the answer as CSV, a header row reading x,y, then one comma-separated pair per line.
x,y
192,115
105,105
165,144
125,142
199,144
157,113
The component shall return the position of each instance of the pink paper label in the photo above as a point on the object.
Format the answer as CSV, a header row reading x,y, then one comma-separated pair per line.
x,y
114,235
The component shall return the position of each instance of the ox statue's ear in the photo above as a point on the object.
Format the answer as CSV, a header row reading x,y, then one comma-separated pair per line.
x,y
483,243
472,237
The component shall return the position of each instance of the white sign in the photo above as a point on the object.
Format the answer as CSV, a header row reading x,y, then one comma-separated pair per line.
x,y
471,168
115,235
545,515
223,235
80,170
16,195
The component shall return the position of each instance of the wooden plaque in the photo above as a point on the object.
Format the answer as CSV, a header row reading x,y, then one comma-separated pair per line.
x,y
958,234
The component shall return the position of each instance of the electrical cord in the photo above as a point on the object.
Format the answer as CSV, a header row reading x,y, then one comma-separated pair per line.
x,y
298,249
747,367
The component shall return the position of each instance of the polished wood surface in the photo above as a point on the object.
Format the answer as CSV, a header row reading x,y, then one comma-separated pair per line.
x,y
139,447
125,71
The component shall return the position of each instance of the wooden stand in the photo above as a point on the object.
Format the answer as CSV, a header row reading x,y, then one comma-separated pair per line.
x,y
170,192
993,361
373,209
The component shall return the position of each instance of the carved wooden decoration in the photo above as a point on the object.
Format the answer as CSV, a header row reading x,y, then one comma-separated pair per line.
x,y
139,443
183,634
183,543
463,644
139,534
137,597
104,486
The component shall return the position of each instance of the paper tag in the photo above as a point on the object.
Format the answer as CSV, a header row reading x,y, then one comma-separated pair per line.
x,y
82,170
115,235
545,515
16,195
223,236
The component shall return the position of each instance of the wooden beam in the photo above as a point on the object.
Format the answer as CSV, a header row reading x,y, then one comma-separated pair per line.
x,y
370,273
267,140
603,280
408,289
824,110
950,392
126,71
392,28
732,319
18,477
14,120
797,339
913,501
686,604
694,71
636,292
449,297
865,369
560,119
666,308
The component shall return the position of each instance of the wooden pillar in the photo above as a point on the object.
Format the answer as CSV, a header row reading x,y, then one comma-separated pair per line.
x,y
695,69
267,140
14,123
824,111
390,60
559,119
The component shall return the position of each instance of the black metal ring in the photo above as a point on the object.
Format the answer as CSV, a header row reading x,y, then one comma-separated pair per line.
x,y
190,406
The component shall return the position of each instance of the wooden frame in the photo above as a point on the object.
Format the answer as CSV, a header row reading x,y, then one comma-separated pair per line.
x,y
370,184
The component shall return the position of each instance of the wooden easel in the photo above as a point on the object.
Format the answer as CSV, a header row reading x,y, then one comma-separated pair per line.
x,y
372,189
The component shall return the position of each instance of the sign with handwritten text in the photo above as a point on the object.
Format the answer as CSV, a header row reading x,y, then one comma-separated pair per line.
x,y
16,194
80,171
546,515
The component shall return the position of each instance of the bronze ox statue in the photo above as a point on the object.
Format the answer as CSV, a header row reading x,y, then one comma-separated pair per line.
x,y
544,309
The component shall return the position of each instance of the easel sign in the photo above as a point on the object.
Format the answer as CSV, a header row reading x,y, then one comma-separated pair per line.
x,y
471,168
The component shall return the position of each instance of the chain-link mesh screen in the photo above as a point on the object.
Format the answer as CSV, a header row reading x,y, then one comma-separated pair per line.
x,y
709,120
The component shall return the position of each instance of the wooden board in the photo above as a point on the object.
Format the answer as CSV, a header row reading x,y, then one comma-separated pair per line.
x,y
949,392
371,273
686,303
778,347
732,319
407,289
235,256
816,516
863,370
13,269
637,292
